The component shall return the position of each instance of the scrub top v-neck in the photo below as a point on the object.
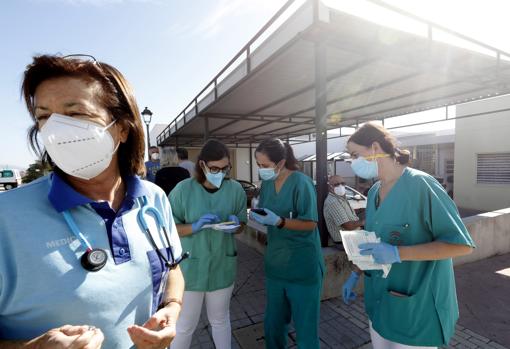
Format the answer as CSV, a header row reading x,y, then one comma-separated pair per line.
x,y
416,210
292,255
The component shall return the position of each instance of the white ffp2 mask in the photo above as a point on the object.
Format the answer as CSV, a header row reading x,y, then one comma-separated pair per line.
x,y
340,190
80,148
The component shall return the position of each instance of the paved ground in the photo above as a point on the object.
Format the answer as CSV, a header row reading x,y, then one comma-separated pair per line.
x,y
484,297
484,313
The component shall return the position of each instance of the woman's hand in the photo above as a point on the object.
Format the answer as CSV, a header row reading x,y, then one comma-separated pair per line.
x,y
348,294
382,252
208,218
270,218
159,331
70,337
235,219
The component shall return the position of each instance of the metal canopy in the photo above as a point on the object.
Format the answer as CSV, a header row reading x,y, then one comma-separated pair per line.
x,y
372,72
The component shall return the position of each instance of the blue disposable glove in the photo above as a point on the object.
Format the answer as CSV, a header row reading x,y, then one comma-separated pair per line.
x,y
208,218
347,290
232,218
382,252
270,218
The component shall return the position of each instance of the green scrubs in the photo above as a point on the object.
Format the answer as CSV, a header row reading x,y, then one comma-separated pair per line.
x,y
294,264
212,262
417,303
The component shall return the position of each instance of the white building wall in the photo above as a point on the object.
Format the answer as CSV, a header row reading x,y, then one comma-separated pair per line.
x,y
475,135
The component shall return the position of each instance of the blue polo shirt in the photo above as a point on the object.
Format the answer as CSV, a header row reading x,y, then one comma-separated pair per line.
x,y
63,197
42,283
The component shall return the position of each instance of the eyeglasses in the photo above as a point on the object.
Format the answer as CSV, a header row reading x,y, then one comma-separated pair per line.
x,y
82,57
215,170
337,184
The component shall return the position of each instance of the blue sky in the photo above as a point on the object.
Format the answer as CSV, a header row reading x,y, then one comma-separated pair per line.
x,y
168,49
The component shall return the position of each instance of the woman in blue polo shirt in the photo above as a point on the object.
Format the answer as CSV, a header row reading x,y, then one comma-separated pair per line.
x,y
420,231
85,260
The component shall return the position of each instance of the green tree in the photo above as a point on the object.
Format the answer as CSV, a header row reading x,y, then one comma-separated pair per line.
x,y
35,171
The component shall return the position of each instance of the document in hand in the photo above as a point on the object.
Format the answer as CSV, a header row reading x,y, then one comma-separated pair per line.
x,y
351,239
222,226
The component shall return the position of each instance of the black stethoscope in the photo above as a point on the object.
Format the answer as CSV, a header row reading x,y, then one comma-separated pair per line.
x,y
94,259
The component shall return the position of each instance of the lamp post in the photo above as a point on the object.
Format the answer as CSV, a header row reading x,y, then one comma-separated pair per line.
x,y
147,116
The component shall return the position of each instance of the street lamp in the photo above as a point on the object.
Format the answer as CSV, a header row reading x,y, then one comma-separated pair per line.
x,y
147,116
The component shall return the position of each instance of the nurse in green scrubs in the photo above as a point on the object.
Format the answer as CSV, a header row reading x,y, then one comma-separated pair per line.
x,y
210,271
294,265
420,231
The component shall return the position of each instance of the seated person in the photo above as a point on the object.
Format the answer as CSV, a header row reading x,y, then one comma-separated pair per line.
x,y
338,213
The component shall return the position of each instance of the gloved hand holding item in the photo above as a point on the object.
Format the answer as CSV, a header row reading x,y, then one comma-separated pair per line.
x,y
270,218
382,252
347,290
208,218
233,218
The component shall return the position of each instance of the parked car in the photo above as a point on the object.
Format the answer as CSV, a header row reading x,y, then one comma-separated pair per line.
x,y
250,189
10,178
357,200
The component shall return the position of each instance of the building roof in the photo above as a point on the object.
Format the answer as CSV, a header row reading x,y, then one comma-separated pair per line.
x,y
373,72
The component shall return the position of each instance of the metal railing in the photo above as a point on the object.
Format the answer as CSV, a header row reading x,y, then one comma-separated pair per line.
x,y
245,51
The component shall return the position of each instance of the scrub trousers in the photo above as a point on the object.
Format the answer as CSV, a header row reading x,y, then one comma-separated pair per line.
x,y
378,342
217,304
286,301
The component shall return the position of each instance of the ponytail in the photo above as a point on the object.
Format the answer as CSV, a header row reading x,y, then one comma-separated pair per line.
x,y
402,156
291,162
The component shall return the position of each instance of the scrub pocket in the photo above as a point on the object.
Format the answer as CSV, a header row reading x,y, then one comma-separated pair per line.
x,y
398,312
158,268
299,264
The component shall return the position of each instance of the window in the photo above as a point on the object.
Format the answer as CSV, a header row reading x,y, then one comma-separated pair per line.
x,y
426,158
493,168
6,173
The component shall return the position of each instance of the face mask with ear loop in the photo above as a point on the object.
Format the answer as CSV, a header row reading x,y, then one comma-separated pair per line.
x,y
269,174
367,169
80,148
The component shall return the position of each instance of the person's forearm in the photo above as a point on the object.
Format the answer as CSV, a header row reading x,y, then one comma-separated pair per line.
x,y
174,285
184,229
352,225
24,344
298,224
432,251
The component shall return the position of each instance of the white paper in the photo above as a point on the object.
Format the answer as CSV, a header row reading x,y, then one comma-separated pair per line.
x,y
221,226
351,239
257,226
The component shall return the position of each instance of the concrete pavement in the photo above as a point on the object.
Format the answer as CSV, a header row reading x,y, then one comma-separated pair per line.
x,y
484,315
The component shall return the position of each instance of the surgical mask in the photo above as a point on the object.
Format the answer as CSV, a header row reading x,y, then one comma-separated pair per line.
x,y
80,148
364,168
268,174
215,178
340,190
155,156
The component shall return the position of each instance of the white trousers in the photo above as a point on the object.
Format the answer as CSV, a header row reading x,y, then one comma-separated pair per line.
x,y
379,342
217,304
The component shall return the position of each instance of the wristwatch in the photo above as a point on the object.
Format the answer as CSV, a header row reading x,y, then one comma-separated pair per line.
x,y
282,223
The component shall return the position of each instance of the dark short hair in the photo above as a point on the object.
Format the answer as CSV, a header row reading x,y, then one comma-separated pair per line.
x,y
276,150
371,132
212,150
116,95
182,153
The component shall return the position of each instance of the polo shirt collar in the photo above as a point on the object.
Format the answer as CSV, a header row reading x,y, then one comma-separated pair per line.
x,y
63,197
